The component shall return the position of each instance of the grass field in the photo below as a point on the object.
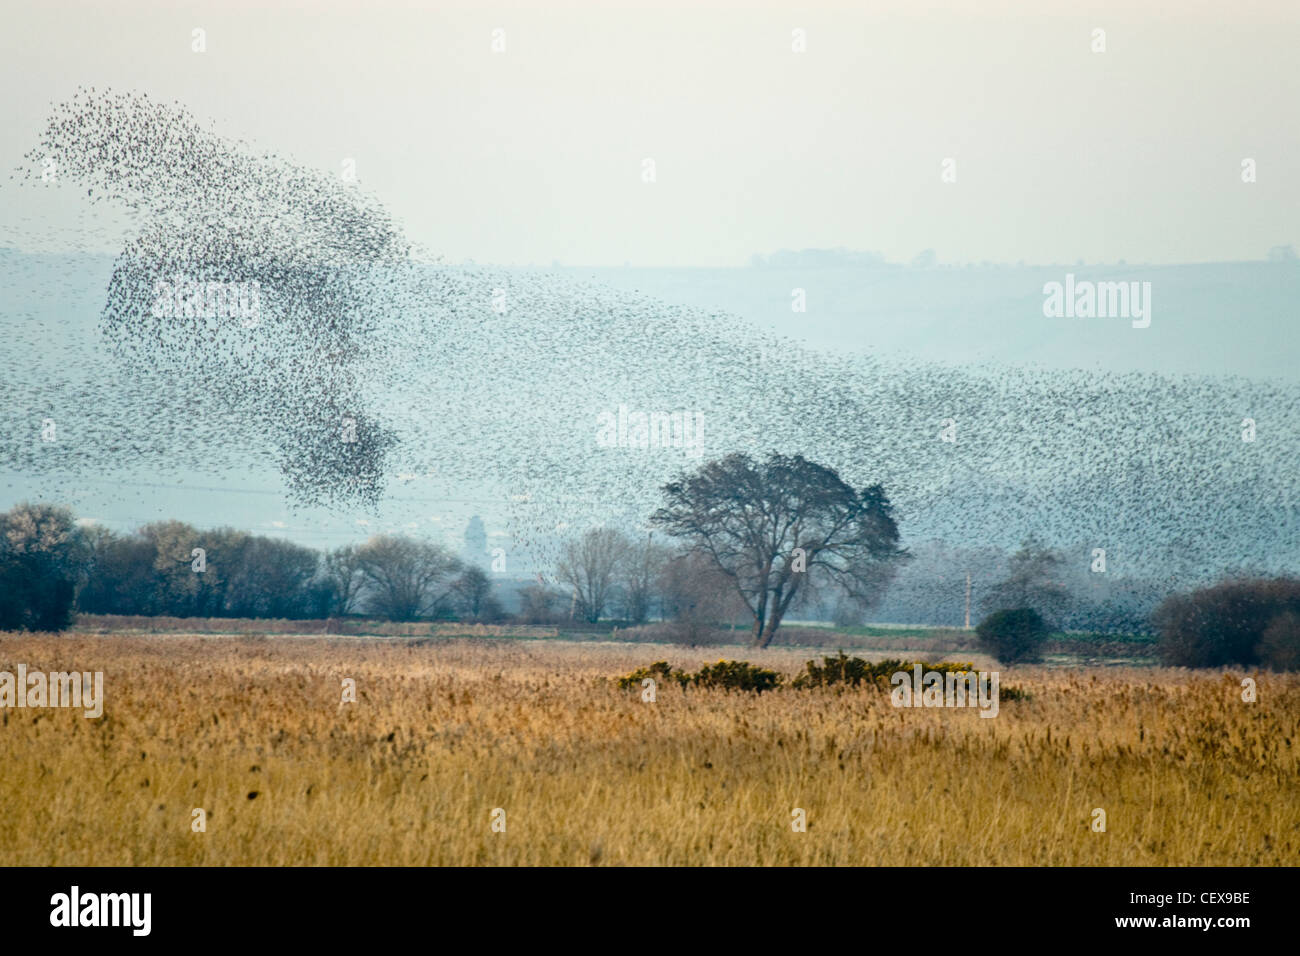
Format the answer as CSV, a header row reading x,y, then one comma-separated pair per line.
x,y
443,732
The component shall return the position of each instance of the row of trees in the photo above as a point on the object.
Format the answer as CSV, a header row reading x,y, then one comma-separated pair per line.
x,y
172,568
610,574
753,540
604,574
169,568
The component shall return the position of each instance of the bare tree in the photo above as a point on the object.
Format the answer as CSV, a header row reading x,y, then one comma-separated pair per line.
x,y
698,598
406,579
1034,580
157,570
344,577
271,578
538,604
639,578
772,527
472,595
590,565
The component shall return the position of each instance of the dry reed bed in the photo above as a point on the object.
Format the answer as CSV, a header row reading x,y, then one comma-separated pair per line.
x,y
442,733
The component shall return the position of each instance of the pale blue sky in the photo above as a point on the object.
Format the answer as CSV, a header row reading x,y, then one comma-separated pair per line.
x,y
535,154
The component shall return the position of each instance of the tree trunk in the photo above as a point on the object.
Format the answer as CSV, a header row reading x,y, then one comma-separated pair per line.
x,y
763,639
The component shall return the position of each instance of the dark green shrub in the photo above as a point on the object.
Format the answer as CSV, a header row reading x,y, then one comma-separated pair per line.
x,y
854,671
1013,636
838,670
659,671
729,675
1279,648
1239,621
736,675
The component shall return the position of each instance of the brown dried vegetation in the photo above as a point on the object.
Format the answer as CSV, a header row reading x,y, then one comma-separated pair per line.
x,y
445,731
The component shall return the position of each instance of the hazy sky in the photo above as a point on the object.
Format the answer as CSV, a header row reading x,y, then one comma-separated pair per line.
x,y
536,153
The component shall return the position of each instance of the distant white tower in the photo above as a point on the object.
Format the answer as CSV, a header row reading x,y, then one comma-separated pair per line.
x,y
476,541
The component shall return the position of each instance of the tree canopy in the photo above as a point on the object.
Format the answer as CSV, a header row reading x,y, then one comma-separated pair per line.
x,y
780,526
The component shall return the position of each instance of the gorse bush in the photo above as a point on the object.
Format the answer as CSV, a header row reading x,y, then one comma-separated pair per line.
x,y
854,671
728,675
833,671
659,671
1013,636
1247,622
838,670
736,675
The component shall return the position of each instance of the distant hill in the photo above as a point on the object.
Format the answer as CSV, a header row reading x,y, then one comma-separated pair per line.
x,y
1210,319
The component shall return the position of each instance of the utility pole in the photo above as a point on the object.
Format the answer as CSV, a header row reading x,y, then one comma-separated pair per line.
x,y
649,543
968,600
